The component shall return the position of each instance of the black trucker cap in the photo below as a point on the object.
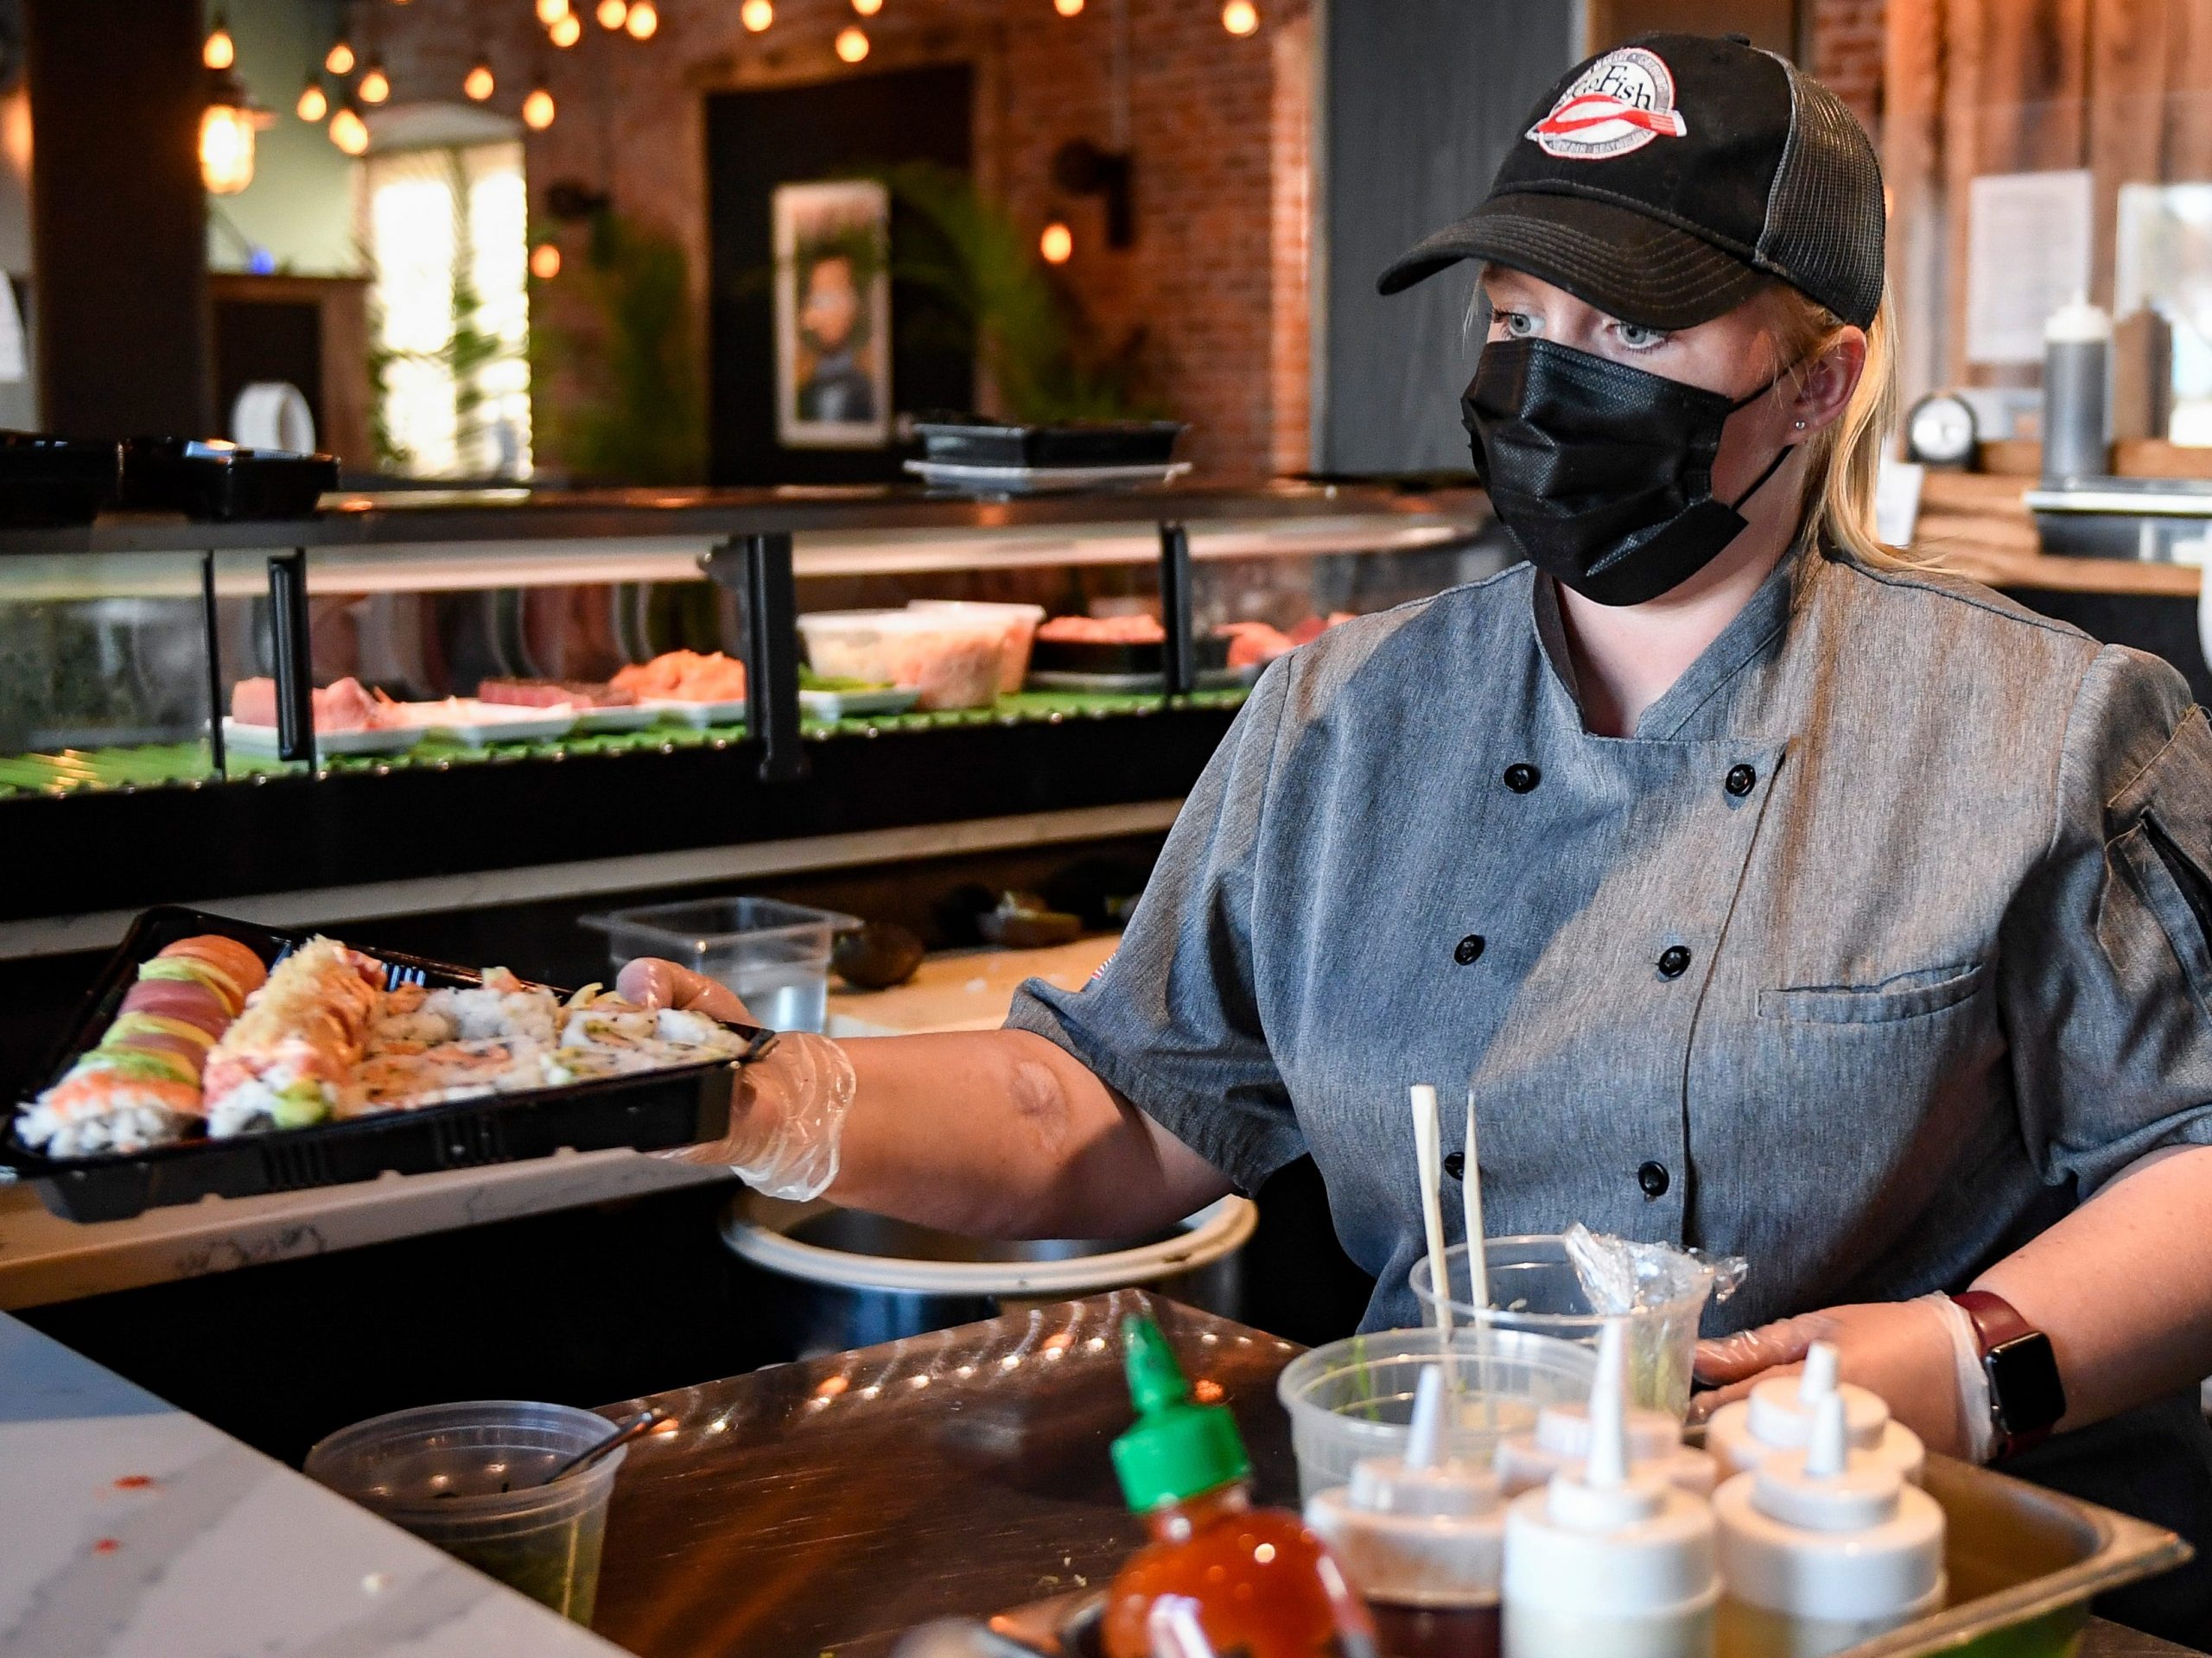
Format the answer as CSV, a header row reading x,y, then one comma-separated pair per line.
x,y
1668,181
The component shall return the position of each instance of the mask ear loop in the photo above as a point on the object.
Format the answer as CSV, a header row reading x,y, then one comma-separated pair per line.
x,y
1780,454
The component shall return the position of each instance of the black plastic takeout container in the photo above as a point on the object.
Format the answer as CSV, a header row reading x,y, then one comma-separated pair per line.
x,y
221,482
55,480
678,1107
974,441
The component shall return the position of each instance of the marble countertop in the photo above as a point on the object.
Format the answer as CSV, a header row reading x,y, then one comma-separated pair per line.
x,y
129,1529
44,1259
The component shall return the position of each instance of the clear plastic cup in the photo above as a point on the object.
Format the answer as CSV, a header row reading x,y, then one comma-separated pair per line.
x,y
466,1477
774,956
1355,1398
1534,1287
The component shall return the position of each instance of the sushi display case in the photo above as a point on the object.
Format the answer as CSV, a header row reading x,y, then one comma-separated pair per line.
x,y
420,685
648,1110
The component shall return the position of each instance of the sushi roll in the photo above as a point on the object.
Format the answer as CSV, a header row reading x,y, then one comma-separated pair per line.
x,y
140,1085
289,1060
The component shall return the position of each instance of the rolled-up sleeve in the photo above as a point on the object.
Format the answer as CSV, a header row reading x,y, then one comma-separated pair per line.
x,y
2106,975
1172,1023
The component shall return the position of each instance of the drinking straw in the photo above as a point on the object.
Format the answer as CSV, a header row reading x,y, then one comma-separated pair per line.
x,y
1427,1155
1471,1200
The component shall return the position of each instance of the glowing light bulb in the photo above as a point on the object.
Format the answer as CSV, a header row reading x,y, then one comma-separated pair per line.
x,y
545,261
643,19
314,102
852,44
550,12
539,110
348,131
1057,243
868,8
376,86
339,59
1240,17
612,12
219,50
225,148
478,83
756,15
566,31
1067,8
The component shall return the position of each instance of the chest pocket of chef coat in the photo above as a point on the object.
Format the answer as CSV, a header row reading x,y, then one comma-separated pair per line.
x,y
1904,996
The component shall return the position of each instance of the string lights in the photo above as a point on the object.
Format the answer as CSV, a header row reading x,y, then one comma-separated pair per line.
x,y
1067,8
348,131
539,110
1057,244
479,83
566,30
339,59
314,102
852,44
375,86
611,14
756,15
1240,18
643,19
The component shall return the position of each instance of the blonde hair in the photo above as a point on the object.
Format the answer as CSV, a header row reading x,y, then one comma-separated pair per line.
x,y
1844,458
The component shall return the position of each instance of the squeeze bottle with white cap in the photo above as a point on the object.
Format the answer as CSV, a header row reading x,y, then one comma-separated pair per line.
x,y
1824,1548
1607,1561
1778,1416
1421,1539
1561,1437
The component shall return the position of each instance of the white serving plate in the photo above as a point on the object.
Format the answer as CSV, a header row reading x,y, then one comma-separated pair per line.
x,y
849,705
467,720
1039,480
728,712
384,740
634,716
1210,679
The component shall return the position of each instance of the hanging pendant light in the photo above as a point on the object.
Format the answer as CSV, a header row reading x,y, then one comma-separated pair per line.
x,y
852,44
375,86
339,59
219,51
757,15
539,110
226,124
314,102
479,83
643,19
566,31
348,131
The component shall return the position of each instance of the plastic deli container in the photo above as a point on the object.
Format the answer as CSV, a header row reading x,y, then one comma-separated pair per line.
x,y
1534,1287
948,660
1020,622
467,1478
774,956
1354,1399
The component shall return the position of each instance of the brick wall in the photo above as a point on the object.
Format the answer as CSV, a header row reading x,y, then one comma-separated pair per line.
x,y
1846,53
1205,280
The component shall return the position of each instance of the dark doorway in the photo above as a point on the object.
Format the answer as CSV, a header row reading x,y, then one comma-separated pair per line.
x,y
758,140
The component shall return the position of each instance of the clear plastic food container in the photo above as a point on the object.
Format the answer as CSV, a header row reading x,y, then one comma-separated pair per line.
x,y
1355,1398
774,956
468,1478
948,660
1019,622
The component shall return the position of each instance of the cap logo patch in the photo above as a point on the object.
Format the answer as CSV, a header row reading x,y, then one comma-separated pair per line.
x,y
1619,103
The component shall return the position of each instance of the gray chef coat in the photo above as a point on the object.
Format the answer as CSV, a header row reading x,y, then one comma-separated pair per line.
x,y
1881,942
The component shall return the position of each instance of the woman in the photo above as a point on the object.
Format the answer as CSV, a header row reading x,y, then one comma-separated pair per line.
x,y
1779,899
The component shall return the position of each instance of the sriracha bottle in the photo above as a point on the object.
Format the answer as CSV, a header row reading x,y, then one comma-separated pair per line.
x,y
1220,1576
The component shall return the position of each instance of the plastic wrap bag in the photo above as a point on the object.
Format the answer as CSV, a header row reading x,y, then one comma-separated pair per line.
x,y
1663,1291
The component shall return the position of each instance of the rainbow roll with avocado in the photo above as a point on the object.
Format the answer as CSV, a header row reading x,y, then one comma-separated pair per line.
x,y
141,1085
289,1060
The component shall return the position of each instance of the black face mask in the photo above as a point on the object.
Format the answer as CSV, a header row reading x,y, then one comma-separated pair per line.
x,y
1603,473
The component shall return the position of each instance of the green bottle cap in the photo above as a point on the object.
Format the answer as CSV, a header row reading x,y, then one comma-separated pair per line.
x,y
1177,1450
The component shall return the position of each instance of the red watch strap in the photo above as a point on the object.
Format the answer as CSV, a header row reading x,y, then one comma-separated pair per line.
x,y
1996,1321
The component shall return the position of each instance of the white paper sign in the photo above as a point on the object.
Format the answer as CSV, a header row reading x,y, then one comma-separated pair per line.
x,y
15,364
2027,254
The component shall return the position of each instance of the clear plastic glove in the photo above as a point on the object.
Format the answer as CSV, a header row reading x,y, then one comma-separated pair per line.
x,y
1901,1350
787,1110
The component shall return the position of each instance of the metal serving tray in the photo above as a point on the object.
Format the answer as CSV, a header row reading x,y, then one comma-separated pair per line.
x,y
2024,1564
678,1107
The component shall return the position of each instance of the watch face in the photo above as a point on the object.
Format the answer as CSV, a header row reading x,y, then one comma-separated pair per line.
x,y
1941,430
2024,1384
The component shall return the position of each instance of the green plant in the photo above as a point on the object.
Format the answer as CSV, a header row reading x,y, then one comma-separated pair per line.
x,y
1032,338
642,417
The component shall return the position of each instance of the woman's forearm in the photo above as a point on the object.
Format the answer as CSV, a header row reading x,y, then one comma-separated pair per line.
x,y
1002,1133
2123,1286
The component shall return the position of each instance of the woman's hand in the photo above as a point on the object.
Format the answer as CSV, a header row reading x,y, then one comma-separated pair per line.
x,y
1900,1350
651,982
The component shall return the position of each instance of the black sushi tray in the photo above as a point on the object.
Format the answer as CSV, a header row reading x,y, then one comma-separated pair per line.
x,y
652,1111
221,482
977,440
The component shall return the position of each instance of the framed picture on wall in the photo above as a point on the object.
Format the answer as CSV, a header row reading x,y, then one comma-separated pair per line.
x,y
833,314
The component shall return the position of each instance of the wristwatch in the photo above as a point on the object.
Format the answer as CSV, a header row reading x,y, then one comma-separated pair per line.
x,y
2026,1398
